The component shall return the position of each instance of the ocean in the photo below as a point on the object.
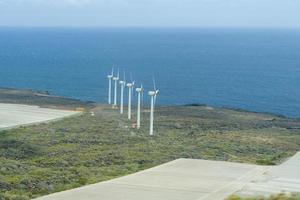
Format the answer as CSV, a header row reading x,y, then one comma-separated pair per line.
x,y
252,69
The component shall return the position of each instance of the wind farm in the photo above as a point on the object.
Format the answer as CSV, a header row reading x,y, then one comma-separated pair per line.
x,y
139,90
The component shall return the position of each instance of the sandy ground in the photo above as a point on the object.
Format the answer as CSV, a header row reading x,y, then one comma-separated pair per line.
x,y
188,179
13,115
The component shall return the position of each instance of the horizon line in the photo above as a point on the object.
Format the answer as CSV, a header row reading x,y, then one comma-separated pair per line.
x,y
150,27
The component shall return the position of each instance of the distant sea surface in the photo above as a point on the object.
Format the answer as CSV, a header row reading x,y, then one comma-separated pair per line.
x,y
252,69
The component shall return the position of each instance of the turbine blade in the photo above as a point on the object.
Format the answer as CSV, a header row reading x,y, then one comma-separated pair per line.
x,y
154,84
124,76
155,96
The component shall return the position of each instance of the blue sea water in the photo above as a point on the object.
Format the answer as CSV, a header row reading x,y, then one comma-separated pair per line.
x,y
253,69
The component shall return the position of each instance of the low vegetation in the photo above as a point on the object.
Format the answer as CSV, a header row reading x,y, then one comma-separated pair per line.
x,y
41,159
273,197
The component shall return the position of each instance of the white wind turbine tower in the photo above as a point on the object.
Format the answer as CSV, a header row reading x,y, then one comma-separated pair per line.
x,y
122,83
139,91
110,77
152,94
115,95
130,89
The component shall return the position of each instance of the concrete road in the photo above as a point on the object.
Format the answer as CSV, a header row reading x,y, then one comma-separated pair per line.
x,y
13,115
182,179
283,178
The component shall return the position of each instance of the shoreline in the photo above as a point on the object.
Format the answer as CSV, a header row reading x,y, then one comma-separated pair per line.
x,y
48,100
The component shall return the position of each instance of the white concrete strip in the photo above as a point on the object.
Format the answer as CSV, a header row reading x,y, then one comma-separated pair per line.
x,y
182,179
13,115
236,185
282,178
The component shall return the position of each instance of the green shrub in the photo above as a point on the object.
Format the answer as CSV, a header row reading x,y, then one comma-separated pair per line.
x,y
281,196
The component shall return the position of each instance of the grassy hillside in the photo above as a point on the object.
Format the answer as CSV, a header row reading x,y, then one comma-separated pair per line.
x,y
46,158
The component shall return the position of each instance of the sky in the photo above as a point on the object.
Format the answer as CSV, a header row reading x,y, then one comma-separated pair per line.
x,y
151,13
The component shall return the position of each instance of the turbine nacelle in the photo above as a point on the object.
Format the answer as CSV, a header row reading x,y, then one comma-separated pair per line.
x,y
130,85
110,76
139,90
115,78
122,83
153,93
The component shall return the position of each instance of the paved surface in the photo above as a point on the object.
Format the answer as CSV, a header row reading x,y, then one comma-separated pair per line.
x,y
283,178
182,179
12,115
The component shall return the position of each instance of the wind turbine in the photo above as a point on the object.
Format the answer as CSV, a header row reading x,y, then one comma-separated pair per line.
x,y
123,84
152,94
139,91
130,89
116,78
110,77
